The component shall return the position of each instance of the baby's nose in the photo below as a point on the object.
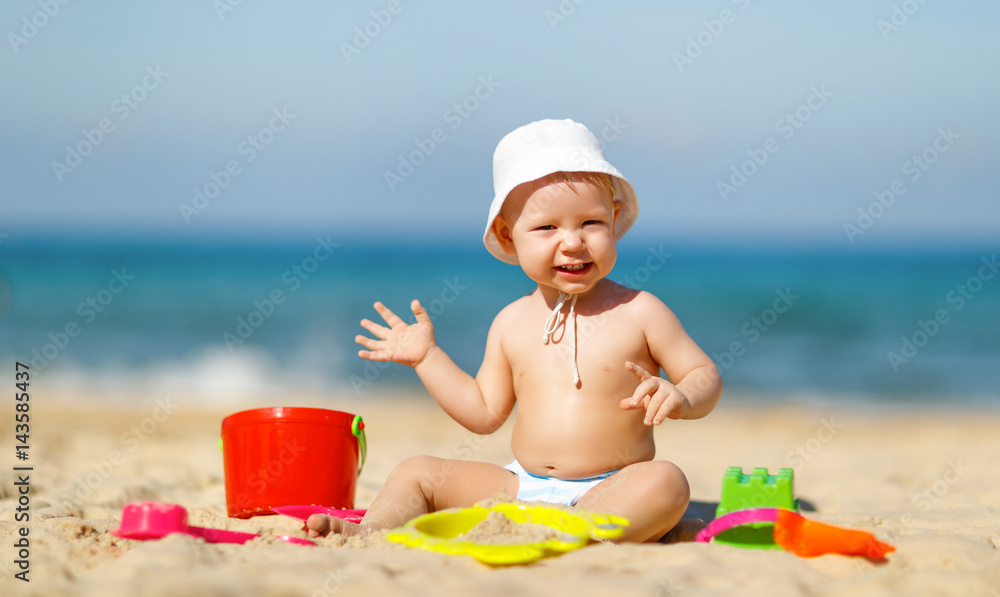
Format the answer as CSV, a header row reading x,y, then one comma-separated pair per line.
x,y
572,240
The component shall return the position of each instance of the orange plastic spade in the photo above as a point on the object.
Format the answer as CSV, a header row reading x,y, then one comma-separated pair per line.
x,y
801,536
808,538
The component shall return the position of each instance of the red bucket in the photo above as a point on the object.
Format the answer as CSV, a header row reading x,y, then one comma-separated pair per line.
x,y
289,456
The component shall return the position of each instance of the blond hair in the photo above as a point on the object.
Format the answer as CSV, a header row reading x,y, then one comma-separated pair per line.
x,y
598,179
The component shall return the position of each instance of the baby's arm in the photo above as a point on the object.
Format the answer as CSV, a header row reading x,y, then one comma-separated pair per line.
x,y
697,385
480,404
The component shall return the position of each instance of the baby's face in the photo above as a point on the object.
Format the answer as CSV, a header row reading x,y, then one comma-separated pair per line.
x,y
562,232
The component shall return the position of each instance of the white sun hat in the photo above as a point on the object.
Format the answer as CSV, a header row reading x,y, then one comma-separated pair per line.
x,y
544,147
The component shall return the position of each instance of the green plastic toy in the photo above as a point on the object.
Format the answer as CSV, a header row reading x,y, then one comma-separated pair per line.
x,y
756,490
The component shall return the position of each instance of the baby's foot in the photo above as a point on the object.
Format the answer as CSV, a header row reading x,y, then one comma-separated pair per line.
x,y
321,525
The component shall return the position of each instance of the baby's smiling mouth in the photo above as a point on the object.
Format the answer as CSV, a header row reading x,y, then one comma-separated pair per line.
x,y
574,268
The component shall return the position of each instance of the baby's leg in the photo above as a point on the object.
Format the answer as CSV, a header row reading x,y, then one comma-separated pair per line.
x,y
651,495
419,485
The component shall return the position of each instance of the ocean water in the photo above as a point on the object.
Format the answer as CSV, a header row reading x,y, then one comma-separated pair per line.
x,y
240,318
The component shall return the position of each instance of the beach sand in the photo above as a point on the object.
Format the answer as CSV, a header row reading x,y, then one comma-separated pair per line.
x,y
925,481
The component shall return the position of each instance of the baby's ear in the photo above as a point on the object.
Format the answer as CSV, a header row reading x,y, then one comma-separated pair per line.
x,y
502,231
617,206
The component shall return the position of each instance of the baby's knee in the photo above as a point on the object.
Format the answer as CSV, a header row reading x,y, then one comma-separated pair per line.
x,y
413,481
416,467
664,482
428,473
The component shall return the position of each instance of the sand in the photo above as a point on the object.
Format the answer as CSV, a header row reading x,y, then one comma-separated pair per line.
x,y
925,481
498,529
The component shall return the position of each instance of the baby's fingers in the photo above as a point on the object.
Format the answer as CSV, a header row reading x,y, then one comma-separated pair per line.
x,y
628,404
660,404
636,370
390,318
379,331
369,343
640,397
670,409
374,352
659,409
420,312
374,355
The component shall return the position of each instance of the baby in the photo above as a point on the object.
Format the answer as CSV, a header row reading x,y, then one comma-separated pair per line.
x,y
587,406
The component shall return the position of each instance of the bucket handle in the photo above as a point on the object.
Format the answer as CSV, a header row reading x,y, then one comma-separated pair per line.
x,y
358,430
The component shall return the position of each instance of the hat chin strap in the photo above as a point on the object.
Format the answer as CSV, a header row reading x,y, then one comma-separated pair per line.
x,y
552,324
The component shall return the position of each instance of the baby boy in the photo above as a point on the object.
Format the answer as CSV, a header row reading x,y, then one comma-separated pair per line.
x,y
583,434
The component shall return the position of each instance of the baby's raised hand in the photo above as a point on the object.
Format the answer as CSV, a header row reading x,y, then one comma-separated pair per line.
x,y
659,397
403,343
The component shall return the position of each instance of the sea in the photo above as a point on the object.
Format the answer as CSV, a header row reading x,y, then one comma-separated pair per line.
x,y
890,327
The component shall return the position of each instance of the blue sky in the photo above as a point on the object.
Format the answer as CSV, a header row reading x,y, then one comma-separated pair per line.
x,y
681,93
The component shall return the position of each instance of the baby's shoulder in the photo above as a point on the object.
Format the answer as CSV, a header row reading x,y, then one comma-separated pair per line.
x,y
647,300
514,311
626,298
638,304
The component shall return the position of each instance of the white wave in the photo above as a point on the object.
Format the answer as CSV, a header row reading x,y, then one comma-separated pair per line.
x,y
214,376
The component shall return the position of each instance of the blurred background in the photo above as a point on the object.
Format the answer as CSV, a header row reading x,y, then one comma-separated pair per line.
x,y
208,196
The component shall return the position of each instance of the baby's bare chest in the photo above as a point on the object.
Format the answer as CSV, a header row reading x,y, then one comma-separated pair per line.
x,y
600,345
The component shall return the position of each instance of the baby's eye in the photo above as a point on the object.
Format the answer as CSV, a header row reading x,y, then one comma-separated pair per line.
x,y
545,227
593,222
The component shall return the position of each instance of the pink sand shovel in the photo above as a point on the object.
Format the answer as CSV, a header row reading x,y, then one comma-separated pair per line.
x,y
155,520
304,512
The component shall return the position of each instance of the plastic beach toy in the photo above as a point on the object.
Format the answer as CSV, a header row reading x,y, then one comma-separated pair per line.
x,y
155,520
803,537
439,531
304,512
271,455
759,489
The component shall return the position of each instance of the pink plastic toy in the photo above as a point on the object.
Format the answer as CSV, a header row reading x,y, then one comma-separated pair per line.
x,y
304,512
155,520
802,536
